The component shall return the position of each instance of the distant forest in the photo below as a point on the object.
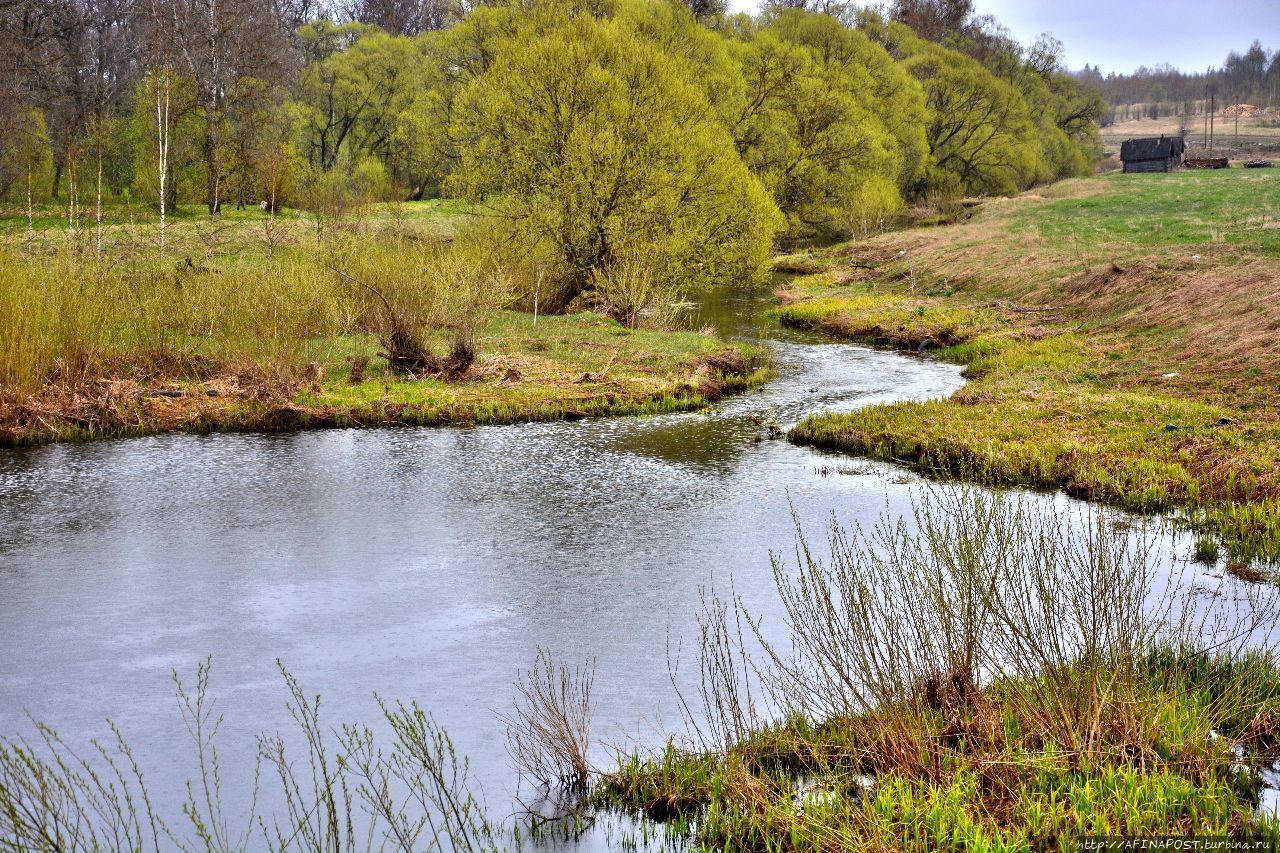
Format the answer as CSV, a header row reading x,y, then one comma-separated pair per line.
x,y
1252,77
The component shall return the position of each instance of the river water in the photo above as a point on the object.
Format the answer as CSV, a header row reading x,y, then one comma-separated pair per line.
x,y
417,563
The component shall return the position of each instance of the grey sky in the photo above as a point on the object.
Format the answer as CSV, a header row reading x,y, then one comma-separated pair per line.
x,y
1120,35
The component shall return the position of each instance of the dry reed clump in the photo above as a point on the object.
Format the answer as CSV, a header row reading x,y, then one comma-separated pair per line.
x,y
549,726
720,372
414,286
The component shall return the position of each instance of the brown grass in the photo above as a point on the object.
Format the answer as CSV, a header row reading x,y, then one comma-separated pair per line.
x,y
1208,319
498,387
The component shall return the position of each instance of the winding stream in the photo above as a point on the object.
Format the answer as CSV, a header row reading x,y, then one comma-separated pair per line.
x,y
419,563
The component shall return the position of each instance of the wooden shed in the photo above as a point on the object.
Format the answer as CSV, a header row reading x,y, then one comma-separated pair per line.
x,y
1153,154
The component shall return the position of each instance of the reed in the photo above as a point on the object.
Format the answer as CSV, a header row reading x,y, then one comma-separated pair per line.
x,y
980,673
68,319
549,725
341,790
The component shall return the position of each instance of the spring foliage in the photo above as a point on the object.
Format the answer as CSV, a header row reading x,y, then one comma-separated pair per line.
x,y
587,136
583,125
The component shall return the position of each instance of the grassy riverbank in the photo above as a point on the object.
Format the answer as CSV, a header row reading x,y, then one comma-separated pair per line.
x,y
564,368
978,773
1120,341
990,675
395,318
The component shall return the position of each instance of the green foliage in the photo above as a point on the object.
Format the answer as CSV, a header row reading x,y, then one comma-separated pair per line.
x,y
24,156
980,134
998,124
852,58
693,135
261,156
355,97
186,174
808,133
580,123
587,136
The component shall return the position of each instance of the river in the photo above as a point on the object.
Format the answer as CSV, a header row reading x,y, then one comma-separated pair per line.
x,y
417,563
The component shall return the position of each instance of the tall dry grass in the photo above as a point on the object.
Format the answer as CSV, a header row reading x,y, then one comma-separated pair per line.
x,y
67,319
341,788
549,725
986,672
981,595
417,284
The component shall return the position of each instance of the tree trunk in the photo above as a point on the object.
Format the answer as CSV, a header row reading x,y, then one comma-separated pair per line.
x,y
212,160
162,127
99,212
31,218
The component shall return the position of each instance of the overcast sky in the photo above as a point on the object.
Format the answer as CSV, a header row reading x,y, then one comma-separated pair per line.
x,y
1120,35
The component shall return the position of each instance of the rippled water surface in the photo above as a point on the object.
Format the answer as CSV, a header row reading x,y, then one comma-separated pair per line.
x,y
418,563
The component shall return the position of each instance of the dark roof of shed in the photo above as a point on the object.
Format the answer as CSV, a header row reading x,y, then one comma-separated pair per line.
x,y
1152,148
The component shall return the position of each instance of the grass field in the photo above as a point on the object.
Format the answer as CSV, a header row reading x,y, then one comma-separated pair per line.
x,y
130,228
1120,335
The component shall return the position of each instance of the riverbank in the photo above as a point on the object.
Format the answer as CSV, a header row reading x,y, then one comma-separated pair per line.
x,y
561,368
1119,334
979,771
992,674
261,323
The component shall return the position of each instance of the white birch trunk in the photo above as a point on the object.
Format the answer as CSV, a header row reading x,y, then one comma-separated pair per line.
x,y
162,125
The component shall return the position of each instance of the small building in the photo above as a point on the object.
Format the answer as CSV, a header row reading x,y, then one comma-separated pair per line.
x,y
1153,154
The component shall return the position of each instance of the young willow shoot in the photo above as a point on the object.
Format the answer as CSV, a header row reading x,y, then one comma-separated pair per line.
x,y
549,727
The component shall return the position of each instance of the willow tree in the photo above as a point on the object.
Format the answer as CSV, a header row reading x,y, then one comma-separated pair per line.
x,y
355,93
982,138
830,124
589,138
890,92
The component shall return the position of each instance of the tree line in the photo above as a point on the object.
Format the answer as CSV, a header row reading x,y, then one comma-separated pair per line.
x,y
594,130
1251,77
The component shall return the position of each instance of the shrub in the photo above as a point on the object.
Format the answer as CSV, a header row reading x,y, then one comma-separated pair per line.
x,y
630,289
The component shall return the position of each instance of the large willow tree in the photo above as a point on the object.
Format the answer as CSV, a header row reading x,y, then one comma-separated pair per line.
x,y
830,124
590,141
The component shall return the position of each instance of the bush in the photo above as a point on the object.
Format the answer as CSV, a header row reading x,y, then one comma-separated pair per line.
x,y
633,292
405,287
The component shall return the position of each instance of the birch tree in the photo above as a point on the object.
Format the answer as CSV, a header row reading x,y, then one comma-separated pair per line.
x,y
163,130
216,44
